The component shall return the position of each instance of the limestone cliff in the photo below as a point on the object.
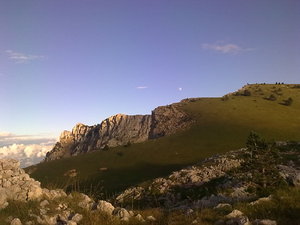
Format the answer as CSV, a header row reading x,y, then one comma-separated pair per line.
x,y
119,130
168,120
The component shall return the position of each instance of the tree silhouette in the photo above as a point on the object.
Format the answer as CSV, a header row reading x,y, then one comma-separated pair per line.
x,y
261,164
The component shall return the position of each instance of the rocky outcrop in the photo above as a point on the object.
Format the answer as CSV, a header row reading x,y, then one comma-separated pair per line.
x,y
54,206
120,130
165,190
215,182
113,131
15,184
168,120
292,175
237,217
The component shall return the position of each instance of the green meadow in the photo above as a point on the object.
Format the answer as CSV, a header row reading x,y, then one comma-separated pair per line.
x,y
221,124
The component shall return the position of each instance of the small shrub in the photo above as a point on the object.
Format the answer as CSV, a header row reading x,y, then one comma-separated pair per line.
x,y
287,102
258,90
243,93
271,98
284,207
120,153
106,147
225,98
128,144
247,93
19,210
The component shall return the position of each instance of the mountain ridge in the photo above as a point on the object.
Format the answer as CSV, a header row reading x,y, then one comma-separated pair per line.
x,y
118,130
219,125
123,130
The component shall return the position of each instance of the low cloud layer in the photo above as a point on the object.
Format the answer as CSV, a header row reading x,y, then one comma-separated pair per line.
x,y
225,48
9,138
26,154
28,149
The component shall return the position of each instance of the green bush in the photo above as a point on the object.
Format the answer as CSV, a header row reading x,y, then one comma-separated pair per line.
x,y
225,98
247,93
128,144
260,166
243,93
106,147
271,98
287,102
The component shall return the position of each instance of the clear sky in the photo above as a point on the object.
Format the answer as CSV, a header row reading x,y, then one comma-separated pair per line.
x,y
69,61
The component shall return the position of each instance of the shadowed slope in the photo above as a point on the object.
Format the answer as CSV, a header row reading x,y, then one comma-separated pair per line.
x,y
222,124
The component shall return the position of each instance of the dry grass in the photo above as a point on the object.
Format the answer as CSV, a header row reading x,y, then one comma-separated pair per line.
x,y
284,208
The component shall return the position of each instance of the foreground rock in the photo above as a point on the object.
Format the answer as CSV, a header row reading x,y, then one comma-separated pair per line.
x,y
15,184
167,190
291,174
237,217
54,205
105,207
218,180
120,130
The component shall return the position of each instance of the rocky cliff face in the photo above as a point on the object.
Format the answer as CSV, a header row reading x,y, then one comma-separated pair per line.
x,y
120,130
167,120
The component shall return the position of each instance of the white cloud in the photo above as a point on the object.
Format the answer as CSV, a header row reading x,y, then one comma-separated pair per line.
x,y
180,89
26,154
19,57
225,48
141,87
28,149
5,134
7,138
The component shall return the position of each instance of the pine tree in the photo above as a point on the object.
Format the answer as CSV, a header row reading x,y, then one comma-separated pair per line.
x,y
261,164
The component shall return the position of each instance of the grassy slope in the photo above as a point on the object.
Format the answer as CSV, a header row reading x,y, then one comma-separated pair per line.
x,y
221,126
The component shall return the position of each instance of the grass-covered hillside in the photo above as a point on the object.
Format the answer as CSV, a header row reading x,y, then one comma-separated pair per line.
x,y
221,124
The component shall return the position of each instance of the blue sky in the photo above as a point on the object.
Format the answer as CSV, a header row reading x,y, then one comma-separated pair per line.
x,y
69,61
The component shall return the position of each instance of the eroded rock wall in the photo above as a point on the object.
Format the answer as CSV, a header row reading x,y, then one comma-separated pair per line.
x,y
119,130
167,120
